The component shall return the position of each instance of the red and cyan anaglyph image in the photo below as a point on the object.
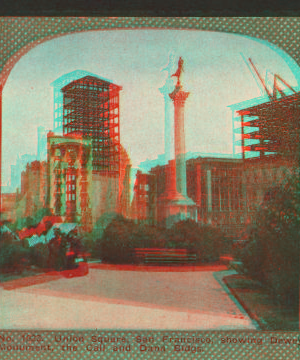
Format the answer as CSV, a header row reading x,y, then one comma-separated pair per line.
x,y
150,180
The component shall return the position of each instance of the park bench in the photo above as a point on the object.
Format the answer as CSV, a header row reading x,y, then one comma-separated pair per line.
x,y
165,256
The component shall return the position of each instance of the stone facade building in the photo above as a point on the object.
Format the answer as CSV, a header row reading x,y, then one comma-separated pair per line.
x,y
70,177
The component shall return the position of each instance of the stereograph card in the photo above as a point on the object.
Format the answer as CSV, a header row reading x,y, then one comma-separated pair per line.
x,y
149,187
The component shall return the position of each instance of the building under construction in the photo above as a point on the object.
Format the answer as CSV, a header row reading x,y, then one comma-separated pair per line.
x,y
91,108
266,130
272,127
58,98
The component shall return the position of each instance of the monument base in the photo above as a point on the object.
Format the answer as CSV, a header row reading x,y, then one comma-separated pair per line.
x,y
174,207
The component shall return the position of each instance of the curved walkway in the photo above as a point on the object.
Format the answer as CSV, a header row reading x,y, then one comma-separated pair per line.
x,y
126,297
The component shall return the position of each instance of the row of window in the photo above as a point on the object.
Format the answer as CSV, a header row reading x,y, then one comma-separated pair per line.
x,y
58,105
144,187
58,124
81,105
70,177
90,85
71,197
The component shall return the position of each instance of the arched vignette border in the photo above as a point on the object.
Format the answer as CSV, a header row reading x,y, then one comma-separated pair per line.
x,y
21,34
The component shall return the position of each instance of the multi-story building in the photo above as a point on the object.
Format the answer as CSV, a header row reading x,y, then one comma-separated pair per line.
x,y
144,203
34,187
228,192
8,207
214,184
269,129
260,175
18,168
58,98
70,177
15,177
91,108
124,183
267,135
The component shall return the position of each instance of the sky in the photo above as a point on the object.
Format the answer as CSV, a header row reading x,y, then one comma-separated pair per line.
x,y
215,74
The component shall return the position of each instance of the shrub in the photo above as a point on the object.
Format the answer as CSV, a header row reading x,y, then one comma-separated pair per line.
x,y
58,247
122,236
89,243
272,253
118,241
39,255
211,246
206,240
252,258
13,256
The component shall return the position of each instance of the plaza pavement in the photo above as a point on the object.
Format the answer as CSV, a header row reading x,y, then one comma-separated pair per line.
x,y
114,297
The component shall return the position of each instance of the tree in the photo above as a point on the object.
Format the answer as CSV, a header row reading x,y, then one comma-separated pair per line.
x,y
13,256
122,236
207,241
118,241
272,253
57,250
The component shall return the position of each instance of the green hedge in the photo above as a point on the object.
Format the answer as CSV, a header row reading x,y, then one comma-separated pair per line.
x,y
205,240
272,252
13,256
122,236
39,255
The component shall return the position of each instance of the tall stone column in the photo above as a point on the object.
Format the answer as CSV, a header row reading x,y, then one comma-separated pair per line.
x,y
169,124
170,190
179,97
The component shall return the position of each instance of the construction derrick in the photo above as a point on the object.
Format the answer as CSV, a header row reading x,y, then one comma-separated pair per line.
x,y
271,128
91,108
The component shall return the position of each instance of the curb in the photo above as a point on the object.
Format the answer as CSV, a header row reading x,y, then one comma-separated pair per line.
x,y
219,276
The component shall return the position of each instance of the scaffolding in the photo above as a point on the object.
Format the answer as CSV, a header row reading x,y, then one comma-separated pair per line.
x,y
91,108
58,98
270,129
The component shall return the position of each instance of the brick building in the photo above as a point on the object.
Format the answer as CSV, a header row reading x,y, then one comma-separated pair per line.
x,y
214,184
8,207
34,188
144,203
